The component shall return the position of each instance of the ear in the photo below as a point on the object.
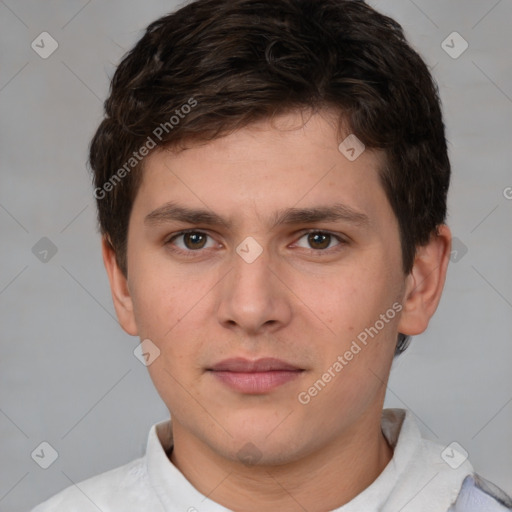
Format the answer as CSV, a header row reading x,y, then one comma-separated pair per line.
x,y
119,287
425,282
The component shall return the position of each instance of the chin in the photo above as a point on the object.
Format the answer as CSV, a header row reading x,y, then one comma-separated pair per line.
x,y
264,446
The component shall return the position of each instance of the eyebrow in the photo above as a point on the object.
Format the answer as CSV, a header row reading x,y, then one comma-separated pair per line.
x,y
336,212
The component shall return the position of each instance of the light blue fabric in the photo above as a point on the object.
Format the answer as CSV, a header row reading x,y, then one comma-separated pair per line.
x,y
479,495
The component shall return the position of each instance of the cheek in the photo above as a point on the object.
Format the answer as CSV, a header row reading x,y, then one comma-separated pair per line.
x,y
346,300
350,306
170,309
156,301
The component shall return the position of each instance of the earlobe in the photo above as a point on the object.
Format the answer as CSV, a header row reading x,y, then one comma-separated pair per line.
x,y
424,284
121,297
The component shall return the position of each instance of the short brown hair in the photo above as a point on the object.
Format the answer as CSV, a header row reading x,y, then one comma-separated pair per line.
x,y
234,62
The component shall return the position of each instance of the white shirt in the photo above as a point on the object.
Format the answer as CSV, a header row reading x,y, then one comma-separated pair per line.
x,y
416,479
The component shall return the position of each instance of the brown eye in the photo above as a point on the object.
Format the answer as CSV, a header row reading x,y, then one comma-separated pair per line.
x,y
194,240
319,240
190,241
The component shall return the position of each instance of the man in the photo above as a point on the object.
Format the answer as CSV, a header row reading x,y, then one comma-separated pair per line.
x,y
271,181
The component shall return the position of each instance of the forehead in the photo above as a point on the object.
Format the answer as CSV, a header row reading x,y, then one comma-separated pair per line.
x,y
264,168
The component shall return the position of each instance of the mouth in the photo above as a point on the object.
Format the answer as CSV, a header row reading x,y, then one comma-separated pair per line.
x,y
255,377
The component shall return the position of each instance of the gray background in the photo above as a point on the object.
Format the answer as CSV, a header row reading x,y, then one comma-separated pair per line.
x,y
68,373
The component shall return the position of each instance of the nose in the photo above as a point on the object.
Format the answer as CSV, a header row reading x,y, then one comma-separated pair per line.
x,y
253,298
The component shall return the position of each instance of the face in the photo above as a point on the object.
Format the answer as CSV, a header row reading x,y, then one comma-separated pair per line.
x,y
296,258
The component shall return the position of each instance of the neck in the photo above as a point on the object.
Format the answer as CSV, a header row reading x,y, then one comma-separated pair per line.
x,y
324,480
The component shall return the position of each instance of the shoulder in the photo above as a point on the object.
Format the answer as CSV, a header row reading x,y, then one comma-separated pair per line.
x,y
453,484
479,495
124,488
475,493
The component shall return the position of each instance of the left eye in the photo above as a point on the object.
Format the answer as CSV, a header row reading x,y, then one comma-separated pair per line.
x,y
320,240
193,240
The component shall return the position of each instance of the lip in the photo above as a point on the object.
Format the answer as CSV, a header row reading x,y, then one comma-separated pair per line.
x,y
266,364
255,377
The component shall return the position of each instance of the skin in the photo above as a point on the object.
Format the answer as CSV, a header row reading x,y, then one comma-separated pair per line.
x,y
301,300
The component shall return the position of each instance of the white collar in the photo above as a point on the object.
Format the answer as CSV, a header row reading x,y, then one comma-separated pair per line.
x,y
416,479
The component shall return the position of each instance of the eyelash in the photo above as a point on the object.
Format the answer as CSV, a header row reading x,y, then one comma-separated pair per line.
x,y
192,253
